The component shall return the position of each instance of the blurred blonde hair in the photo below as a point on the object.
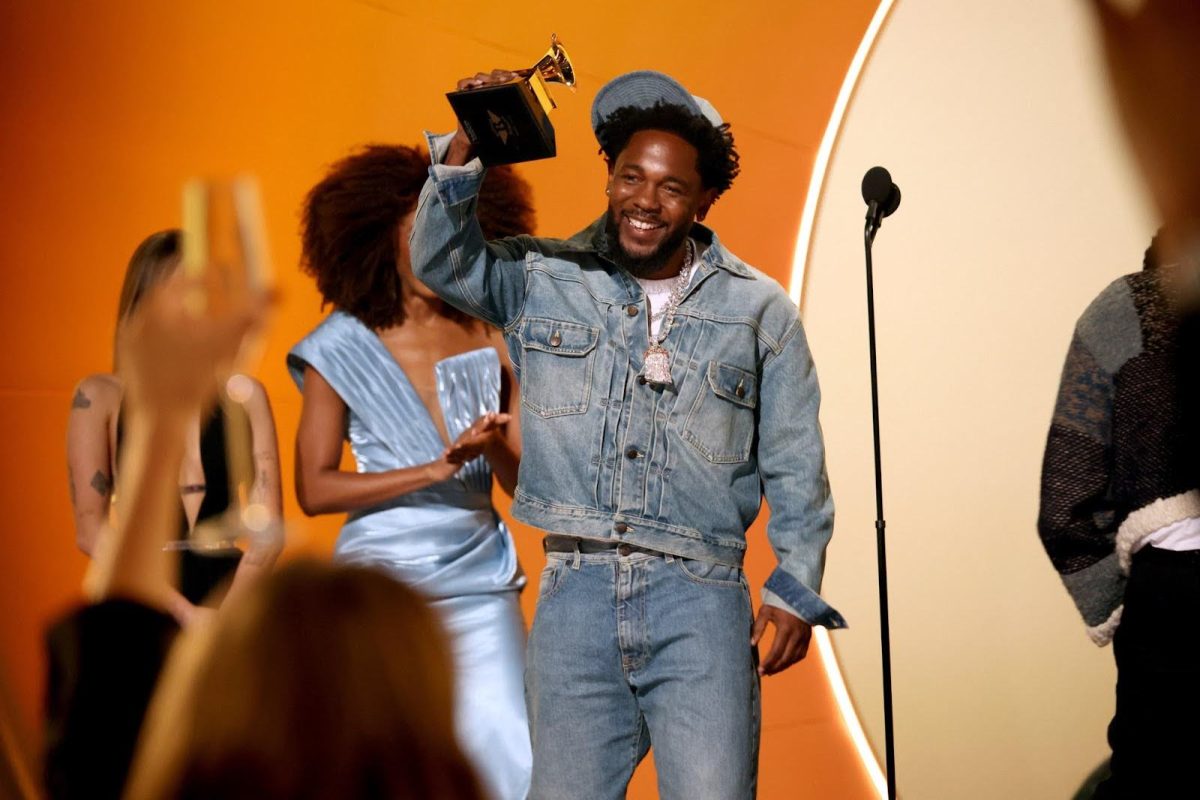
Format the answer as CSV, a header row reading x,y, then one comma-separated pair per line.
x,y
154,260
322,681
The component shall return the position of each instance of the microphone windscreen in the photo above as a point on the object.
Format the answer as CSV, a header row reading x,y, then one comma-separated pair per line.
x,y
876,185
893,201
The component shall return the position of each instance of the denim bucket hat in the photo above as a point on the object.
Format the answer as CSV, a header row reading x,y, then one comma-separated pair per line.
x,y
642,89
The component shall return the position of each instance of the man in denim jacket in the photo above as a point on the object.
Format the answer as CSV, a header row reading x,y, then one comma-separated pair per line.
x,y
666,387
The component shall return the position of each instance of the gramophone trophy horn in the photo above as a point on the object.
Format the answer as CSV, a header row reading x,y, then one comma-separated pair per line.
x,y
555,67
510,122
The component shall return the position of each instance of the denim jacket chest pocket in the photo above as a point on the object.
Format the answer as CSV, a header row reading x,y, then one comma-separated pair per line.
x,y
721,422
557,366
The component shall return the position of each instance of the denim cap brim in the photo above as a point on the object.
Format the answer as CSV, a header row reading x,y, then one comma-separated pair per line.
x,y
644,88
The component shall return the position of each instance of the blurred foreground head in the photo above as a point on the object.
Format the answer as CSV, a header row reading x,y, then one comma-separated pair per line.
x,y
1153,58
325,681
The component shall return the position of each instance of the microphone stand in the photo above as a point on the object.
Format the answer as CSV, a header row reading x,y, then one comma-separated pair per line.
x,y
873,222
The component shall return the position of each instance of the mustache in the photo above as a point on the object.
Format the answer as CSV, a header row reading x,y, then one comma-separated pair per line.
x,y
640,265
654,219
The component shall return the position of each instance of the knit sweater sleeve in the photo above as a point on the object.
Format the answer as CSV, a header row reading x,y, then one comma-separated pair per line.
x,y
1077,520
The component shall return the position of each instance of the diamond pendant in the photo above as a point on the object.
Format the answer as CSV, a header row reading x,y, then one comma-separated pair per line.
x,y
656,366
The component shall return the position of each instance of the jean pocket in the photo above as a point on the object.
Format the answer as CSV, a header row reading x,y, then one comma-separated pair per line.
x,y
556,370
721,424
709,574
553,576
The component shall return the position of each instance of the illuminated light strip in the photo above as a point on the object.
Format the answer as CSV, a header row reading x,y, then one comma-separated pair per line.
x,y
846,707
821,164
799,266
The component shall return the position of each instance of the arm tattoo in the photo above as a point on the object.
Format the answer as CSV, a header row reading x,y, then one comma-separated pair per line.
x,y
258,489
80,401
101,483
262,475
71,483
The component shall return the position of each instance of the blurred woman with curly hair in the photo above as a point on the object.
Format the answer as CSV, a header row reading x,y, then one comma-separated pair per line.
x,y
426,397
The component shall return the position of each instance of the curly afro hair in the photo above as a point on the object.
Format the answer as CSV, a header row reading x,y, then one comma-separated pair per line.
x,y
350,219
717,157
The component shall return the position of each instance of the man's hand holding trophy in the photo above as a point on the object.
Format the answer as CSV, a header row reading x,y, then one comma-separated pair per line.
x,y
503,115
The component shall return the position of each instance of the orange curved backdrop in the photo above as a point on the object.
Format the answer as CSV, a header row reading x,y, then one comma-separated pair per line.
x,y
108,107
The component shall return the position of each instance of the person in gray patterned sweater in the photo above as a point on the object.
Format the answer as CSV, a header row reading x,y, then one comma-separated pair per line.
x,y
1120,520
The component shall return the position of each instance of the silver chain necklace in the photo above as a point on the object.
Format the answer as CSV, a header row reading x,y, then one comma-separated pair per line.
x,y
656,361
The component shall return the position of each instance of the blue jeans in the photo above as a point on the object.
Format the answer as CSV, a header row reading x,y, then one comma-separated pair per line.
x,y
629,650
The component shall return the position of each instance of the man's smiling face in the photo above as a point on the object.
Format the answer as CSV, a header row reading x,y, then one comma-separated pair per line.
x,y
655,193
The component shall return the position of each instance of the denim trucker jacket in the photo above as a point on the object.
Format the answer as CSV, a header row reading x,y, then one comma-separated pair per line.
x,y
679,470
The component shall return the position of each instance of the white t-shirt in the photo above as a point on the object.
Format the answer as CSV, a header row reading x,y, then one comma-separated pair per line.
x,y
659,292
1181,535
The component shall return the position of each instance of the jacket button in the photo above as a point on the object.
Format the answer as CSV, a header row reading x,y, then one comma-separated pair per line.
x,y
740,391
631,310
641,379
624,550
621,527
632,453
555,339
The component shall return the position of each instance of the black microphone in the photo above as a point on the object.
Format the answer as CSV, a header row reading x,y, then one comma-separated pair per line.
x,y
883,198
881,195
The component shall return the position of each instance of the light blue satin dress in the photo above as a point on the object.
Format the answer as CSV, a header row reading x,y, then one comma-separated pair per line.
x,y
447,540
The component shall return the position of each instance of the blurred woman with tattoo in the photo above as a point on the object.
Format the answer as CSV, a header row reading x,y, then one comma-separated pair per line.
x,y
94,438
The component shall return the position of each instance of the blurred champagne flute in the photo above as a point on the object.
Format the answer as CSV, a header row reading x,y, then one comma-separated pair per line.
x,y
225,258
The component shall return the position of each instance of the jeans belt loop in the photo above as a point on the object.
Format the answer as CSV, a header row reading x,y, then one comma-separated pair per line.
x,y
575,565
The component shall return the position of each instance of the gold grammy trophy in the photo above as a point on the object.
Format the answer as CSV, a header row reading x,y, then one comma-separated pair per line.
x,y
510,122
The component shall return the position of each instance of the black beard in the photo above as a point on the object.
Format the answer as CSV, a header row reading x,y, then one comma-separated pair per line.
x,y
640,266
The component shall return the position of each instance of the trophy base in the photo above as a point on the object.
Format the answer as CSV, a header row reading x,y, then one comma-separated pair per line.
x,y
507,122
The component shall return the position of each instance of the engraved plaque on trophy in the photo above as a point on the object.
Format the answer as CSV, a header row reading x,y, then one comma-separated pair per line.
x,y
510,122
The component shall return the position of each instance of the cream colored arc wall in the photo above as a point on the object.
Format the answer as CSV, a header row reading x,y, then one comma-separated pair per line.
x,y
1019,207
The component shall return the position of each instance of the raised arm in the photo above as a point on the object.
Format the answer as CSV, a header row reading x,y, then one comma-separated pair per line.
x,y
172,361
105,658
447,247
